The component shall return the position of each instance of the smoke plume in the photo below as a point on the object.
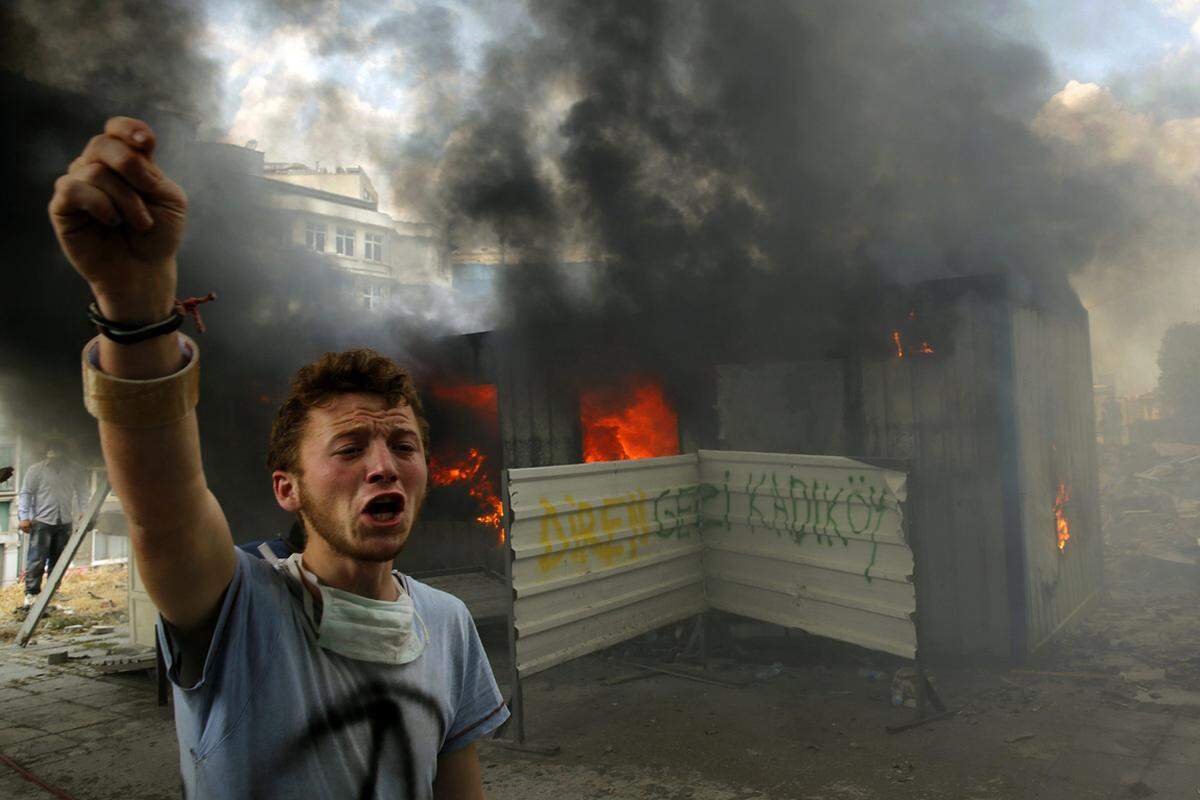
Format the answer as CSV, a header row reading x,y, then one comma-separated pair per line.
x,y
671,183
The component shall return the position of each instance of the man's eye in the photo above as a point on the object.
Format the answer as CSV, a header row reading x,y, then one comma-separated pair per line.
x,y
346,451
405,447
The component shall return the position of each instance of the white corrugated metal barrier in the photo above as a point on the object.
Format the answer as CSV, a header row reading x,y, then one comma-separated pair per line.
x,y
810,542
604,552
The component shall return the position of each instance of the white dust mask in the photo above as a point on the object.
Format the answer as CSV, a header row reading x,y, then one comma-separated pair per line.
x,y
360,627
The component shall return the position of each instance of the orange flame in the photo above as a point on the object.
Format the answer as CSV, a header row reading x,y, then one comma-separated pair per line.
x,y
926,349
640,424
470,470
1060,516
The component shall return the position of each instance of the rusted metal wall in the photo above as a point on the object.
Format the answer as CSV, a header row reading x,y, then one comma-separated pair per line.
x,y
1055,416
810,542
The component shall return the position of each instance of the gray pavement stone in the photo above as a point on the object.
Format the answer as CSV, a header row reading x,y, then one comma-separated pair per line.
x,y
22,752
1186,726
1135,721
19,672
55,717
139,707
140,767
96,694
1117,743
53,683
16,703
1173,780
1183,750
14,787
12,734
1103,768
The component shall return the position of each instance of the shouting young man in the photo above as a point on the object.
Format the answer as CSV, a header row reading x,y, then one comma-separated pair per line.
x,y
326,674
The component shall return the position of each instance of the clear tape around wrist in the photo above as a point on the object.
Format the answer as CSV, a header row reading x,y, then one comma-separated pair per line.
x,y
150,403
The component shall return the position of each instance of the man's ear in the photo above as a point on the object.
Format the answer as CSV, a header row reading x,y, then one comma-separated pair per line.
x,y
287,490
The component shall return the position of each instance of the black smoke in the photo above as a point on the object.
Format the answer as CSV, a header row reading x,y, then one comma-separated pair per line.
x,y
677,183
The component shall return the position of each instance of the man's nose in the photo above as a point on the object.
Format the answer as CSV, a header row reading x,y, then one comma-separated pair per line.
x,y
381,464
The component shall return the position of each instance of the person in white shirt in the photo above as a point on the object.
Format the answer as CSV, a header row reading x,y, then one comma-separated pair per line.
x,y
53,492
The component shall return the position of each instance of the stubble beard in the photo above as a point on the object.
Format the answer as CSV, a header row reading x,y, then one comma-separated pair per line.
x,y
339,535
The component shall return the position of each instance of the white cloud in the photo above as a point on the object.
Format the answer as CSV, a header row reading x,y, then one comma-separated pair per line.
x,y
1102,131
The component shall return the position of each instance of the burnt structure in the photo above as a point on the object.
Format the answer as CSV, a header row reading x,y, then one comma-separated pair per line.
x,y
980,385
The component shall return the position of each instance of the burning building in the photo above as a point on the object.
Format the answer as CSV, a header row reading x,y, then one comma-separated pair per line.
x,y
988,411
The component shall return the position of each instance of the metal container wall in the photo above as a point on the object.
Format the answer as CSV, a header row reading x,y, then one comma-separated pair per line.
x,y
943,413
539,418
1055,416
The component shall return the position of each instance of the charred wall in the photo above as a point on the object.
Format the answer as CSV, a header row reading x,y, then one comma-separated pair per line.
x,y
990,405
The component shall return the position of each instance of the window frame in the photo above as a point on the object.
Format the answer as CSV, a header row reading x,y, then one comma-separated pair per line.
x,y
345,237
373,240
313,230
372,295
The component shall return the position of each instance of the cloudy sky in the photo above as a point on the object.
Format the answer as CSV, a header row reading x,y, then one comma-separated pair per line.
x,y
1123,93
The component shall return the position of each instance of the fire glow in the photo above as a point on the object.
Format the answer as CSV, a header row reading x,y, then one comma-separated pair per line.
x,y
1061,525
637,423
924,349
470,470
445,469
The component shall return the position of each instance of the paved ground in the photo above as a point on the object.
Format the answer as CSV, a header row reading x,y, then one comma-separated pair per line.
x,y
1111,711
810,731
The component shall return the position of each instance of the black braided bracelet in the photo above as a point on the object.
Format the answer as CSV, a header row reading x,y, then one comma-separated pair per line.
x,y
126,333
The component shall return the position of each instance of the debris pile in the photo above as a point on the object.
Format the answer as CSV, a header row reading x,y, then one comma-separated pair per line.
x,y
86,598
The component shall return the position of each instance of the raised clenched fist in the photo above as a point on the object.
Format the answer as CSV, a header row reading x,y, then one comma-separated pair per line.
x,y
120,221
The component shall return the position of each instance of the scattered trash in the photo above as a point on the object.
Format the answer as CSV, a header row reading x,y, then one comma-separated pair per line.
x,y
102,629
1021,737
904,688
60,657
871,674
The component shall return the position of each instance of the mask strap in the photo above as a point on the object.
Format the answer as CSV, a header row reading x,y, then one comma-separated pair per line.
x,y
268,554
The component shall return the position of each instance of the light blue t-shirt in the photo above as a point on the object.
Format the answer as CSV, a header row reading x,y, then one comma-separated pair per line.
x,y
275,715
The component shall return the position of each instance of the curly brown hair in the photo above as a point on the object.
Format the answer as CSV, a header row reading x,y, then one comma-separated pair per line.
x,y
359,371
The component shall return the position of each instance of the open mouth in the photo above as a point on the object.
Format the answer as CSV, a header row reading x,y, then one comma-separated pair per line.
x,y
386,508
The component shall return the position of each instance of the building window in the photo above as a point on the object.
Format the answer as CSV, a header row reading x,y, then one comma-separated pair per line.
x,y
345,241
373,247
372,295
314,236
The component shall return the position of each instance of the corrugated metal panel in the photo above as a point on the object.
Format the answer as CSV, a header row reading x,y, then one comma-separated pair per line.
x,y
810,542
1056,428
602,553
942,412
